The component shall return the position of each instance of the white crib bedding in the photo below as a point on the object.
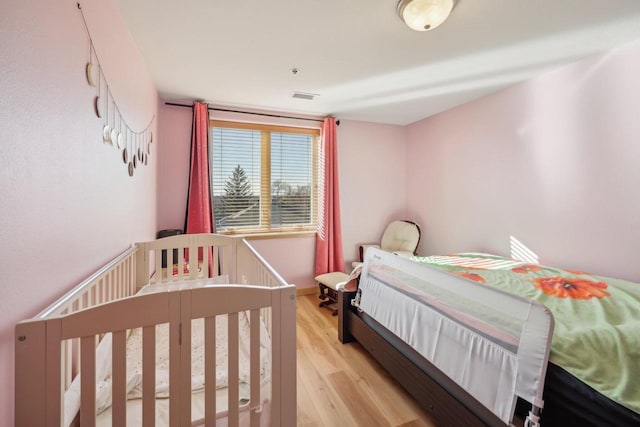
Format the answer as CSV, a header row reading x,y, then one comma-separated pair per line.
x,y
134,365
134,408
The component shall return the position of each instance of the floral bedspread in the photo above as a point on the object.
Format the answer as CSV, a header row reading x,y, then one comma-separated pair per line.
x,y
597,319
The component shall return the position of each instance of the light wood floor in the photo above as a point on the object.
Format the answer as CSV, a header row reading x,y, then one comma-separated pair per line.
x,y
340,384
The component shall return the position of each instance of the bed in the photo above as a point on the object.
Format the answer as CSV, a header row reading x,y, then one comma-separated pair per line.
x,y
581,386
207,340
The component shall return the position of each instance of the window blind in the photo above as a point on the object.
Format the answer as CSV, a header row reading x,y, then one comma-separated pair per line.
x,y
263,178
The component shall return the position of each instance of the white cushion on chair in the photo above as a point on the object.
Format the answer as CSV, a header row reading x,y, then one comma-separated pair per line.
x,y
400,236
332,280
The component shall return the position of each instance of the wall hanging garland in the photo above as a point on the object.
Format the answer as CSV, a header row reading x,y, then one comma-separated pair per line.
x,y
135,145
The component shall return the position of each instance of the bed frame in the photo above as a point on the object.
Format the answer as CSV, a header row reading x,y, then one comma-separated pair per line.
x,y
567,401
442,397
59,343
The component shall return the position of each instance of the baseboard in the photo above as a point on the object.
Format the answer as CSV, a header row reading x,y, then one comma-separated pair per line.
x,y
306,291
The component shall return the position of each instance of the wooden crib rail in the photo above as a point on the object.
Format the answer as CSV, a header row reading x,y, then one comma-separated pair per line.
x,y
186,256
253,269
114,280
129,271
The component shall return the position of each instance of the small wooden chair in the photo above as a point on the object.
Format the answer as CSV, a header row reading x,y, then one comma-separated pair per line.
x,y
331,283
329,289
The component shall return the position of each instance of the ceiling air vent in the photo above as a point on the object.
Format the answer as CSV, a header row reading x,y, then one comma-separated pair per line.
x,y
302,95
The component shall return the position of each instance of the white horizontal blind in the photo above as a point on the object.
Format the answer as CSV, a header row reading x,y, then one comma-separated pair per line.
x,y
263,178
235,177
291,179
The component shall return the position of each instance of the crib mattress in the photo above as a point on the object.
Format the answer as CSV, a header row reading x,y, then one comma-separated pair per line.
x,y
134,364
134,409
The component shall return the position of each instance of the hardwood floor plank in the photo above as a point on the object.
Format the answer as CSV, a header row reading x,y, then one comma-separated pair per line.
x,y
412,423
363,410
340,384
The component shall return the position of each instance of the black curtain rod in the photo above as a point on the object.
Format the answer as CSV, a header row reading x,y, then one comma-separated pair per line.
x,y
250,112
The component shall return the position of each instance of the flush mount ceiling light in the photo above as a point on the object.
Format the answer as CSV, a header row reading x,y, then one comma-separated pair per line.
x,y
424,15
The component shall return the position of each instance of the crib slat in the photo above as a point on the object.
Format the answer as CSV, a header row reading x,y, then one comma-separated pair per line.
x,y
226,257
92,296
287,353
190,252
205,261
157,277
180,263
276,367
234,395
76,356
254,351
215,261
210,371
185,360
193,261
88,381
183,252
149,376
134,273
171,261
119,382
119,278
174,359
67,358
53,384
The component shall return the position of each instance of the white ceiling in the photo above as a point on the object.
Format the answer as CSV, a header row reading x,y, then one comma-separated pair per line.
x,y
358,56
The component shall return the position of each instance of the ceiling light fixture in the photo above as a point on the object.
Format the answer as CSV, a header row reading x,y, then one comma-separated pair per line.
x,y
424,15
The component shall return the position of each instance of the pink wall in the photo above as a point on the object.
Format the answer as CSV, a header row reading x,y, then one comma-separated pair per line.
x,y
173,166
68,204
292,257
554,162
372,181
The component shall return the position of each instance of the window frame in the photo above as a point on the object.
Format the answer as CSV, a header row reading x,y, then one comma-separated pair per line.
x,y
265,229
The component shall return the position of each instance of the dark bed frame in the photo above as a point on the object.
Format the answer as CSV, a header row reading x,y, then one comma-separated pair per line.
x,y
446,402
568,401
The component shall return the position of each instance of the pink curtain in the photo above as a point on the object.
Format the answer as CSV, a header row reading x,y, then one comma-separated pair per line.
x,y
199,218
329,256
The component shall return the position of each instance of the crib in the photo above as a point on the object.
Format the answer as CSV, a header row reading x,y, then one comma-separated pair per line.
x,y
207,277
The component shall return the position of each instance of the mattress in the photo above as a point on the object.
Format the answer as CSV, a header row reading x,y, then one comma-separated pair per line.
x,y
569,401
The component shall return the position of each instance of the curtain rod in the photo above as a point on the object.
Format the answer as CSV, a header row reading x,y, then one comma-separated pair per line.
x,y
250,112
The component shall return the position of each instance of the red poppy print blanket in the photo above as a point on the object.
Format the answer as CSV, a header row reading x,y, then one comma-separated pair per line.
x,y
597,319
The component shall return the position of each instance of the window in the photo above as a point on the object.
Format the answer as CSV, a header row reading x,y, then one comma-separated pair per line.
x,y
263,178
